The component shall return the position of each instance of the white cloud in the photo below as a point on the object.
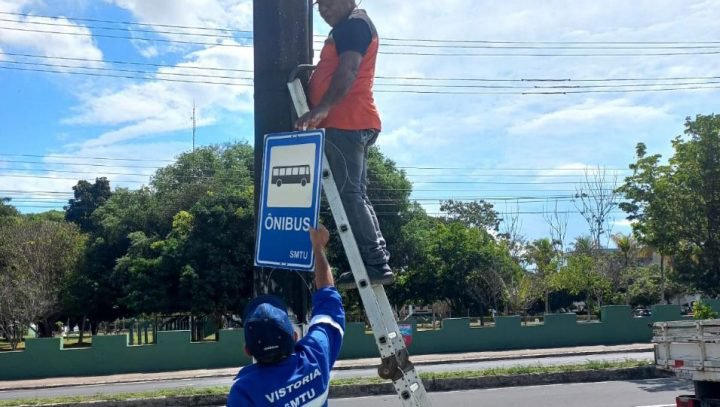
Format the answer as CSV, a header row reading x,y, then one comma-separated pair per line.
x,y
121,173
14,6
222,14
156,107
15,36
46,188
589,113
624,223
469,131
195,13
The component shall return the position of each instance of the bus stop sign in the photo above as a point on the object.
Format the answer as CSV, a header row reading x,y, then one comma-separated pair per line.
x,y
289,199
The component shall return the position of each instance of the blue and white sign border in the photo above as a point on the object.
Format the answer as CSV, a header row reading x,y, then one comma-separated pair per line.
x,y
264,210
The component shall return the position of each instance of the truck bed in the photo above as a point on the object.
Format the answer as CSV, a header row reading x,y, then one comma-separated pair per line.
x,y
689,349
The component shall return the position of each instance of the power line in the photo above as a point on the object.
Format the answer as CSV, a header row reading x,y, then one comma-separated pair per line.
x,y
665,89
184,75
399,78
546,55
456,79
402,167
123,29
126,62
82,34
558,93
15,68
16,175
371,174
455,45
124,22
435,40
60,156
80,164
404,53
412,85
638,85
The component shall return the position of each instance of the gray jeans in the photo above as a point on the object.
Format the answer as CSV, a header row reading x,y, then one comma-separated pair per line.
x,y
347,152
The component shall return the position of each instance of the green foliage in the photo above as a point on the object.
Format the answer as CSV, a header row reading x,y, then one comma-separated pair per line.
x,y
703,311
475,214
677,206
36,259
193,251
8,213
643,288
464,266
522,292
88,197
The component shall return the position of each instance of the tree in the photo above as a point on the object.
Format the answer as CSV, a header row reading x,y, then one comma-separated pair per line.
x,y
7,210
461,265
676,207
200,259
581,276
703,311
628,248
511,234
558,223
595,200
543,254
522,292
88,197
36,258
474,214
203,266
643,286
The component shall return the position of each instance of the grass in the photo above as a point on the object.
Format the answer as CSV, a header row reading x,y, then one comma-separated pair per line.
x,y
184,392
72,341
507,371
222,390
69,342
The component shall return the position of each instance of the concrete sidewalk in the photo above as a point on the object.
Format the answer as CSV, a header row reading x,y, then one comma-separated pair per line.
x,y
340,365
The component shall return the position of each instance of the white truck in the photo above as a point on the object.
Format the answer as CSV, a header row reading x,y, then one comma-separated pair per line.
x,y
691,350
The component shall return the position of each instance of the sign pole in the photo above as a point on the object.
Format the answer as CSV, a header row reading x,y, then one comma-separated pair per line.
x,y
282,41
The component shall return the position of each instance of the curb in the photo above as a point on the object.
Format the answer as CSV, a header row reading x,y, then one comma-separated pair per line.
x,y
439,385
493,382
501,358
345,368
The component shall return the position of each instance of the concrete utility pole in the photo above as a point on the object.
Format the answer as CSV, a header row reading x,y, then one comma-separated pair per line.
x,y
282,41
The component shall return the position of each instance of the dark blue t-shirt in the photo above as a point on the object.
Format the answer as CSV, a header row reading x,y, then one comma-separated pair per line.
x,y
352,34
303,379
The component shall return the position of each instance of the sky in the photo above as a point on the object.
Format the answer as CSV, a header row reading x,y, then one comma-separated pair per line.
x,y
517,104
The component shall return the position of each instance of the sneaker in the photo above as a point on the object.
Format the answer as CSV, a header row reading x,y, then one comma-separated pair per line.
x,y
379,275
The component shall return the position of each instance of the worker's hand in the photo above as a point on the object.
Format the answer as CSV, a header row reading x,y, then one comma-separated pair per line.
x,y
319,237
313,118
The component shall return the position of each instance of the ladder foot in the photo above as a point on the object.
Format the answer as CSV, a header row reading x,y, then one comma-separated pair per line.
x,y
394,367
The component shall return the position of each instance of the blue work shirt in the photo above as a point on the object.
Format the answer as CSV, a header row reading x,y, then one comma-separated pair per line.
x,y
303,378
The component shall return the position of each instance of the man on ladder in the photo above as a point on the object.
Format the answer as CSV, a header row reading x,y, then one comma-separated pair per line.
x,y
341,101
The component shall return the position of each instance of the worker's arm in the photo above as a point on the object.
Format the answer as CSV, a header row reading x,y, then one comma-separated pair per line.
x,y
323,273
327,325
342,81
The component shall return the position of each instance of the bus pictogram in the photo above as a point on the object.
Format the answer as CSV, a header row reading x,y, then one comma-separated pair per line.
x,y
296,174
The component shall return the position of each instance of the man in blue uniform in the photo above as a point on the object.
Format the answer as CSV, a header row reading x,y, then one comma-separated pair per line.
x,y
291,373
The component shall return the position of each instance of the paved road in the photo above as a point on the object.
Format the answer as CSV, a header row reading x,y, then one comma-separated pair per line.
x,y
225,381
647,393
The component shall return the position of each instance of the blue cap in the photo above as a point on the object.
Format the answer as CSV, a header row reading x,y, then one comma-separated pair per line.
x,y
269,334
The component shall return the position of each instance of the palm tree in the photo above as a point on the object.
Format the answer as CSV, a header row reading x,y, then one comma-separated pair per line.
x,y
584,245
629,248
